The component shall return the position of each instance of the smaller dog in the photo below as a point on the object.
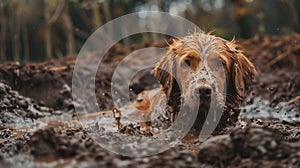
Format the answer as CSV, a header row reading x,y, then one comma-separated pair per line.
x,y
202,65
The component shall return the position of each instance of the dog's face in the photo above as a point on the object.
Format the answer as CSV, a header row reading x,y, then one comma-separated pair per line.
x,y
202,65
200,74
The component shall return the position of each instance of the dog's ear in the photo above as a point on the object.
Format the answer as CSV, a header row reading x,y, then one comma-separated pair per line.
x,y
165,73
242,70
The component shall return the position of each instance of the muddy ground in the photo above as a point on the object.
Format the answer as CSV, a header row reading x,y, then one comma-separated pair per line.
x,y
38,126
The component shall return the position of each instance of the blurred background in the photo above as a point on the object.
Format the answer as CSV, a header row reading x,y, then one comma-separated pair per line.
x,y
37,30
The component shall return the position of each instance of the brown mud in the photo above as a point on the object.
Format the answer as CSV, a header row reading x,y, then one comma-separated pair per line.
x,y
38,126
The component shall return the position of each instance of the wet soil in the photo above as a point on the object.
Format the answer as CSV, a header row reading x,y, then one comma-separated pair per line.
x,y
39,126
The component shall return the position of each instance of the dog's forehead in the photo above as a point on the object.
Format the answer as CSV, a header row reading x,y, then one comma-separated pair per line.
x,y
201,45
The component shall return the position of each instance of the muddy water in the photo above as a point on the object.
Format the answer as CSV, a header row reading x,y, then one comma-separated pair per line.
x,y
261,108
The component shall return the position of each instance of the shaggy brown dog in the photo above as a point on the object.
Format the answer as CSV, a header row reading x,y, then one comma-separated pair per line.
x,y
202,65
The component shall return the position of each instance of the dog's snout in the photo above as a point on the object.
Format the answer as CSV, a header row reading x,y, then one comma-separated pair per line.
x,y
205,90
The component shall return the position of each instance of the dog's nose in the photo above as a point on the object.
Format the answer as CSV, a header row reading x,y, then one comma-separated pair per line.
x,y
205,91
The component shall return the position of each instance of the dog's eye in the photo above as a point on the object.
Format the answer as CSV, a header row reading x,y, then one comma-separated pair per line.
x,y
219,64
186,63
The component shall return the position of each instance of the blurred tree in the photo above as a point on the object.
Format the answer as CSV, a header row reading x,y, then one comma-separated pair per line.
x,y
38,30
107,15
294,6
96,18
51,17
24,13
68,28
14,18
244,19
2,30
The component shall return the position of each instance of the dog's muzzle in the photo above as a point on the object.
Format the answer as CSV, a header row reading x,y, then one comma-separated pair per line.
x,y
204,91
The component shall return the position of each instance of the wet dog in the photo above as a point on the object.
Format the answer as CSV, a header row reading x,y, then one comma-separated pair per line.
x,y
201,66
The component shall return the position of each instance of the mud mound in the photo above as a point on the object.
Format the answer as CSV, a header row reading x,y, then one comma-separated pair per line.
x,y
17,109
250,147
48,143
281,86
287,130
51,143
273,52
50,82
3,162
44,82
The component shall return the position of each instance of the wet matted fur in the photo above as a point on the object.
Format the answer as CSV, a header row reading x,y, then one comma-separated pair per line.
x,y
193,65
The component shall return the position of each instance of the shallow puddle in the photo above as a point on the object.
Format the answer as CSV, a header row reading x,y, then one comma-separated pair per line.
x,y
260,108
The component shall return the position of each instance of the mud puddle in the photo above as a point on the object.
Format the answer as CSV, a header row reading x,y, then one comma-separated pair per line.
x,y
261,108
